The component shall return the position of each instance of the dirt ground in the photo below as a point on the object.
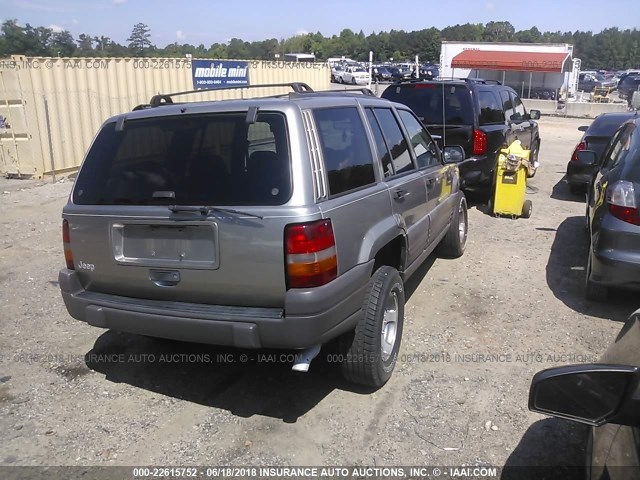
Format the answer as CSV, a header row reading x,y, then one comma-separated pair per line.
x,y
477,329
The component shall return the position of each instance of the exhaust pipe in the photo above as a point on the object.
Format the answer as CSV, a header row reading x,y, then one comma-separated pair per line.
x,y
303,358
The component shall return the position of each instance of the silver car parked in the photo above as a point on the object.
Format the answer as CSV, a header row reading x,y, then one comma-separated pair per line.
x,y
280,222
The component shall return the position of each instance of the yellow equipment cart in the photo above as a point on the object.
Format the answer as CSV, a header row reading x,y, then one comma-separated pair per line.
x,y
511,182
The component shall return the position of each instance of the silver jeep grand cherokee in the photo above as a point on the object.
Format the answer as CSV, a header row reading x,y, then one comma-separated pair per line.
x,y
281,222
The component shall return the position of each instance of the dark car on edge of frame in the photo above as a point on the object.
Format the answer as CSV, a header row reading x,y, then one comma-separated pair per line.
x,y
605,396
596,137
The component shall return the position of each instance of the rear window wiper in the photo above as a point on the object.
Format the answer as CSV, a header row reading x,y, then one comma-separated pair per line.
x,y
206,210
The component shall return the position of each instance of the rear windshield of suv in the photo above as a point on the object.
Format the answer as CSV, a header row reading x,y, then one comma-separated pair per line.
x,y
425,99
606,125
214,159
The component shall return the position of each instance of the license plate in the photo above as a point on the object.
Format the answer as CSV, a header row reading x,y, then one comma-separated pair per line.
x,y
171,245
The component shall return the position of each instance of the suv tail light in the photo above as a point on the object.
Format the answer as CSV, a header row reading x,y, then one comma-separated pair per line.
x,y
66,240
479,142
581,146
621,199
311,254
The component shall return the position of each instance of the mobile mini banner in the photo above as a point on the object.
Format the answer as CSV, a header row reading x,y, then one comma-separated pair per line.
x,y
211,74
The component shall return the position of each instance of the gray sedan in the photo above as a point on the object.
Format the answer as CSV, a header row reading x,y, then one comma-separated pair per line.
x,y
613,214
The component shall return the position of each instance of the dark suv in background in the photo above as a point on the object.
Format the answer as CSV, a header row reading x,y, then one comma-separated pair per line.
x,y
627,85
481,116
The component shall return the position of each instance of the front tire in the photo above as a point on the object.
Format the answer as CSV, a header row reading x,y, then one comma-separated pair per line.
x,y
371,351
527,209
455,241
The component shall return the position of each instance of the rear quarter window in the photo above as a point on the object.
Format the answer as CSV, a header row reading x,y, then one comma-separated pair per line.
x,y
621,146
507,106
632,161
345,149
518,106
490,108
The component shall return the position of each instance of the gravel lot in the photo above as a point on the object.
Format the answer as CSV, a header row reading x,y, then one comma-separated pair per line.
x,y
71,394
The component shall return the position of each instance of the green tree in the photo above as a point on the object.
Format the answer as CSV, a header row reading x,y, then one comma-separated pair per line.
x,y
14,40
498,32
237,49
583,45
102,44
29,40
85,45
532,35
426,44
61,44
37,40
399,41
139,39
610,48
469,32
218,50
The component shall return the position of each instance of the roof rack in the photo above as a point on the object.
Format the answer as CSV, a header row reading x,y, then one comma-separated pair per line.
x,y
486,82
444,79
166,98
477,80
364,91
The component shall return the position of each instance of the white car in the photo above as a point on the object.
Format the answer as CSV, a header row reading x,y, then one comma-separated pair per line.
x,y
336,72
355,76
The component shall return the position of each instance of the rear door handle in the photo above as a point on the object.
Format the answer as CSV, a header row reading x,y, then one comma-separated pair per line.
x,y
398,194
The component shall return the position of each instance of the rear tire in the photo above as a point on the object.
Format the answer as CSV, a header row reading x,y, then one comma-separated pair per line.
x,y
455,241
594,291
527,209
369,353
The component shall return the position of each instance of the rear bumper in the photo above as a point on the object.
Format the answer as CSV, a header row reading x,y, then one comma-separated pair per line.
x,y
608,269
615,259
310,317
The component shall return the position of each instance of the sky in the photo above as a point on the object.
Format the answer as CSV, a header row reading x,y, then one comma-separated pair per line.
x,y
213,21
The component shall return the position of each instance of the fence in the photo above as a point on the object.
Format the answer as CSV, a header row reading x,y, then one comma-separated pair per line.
x,y
50,108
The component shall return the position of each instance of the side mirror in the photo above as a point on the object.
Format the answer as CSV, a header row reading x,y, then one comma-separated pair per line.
x,y
583,128
587,157
534,114
591,394
453,154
